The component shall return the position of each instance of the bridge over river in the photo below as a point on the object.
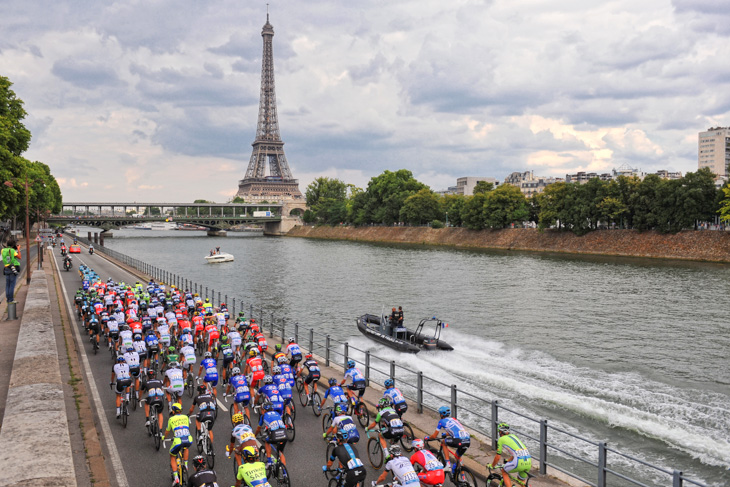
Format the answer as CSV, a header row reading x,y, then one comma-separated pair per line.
x,y
277,218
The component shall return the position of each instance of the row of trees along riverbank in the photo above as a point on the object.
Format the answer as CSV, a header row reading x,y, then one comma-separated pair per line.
x,y
664,205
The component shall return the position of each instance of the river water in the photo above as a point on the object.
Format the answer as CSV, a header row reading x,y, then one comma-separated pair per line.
x,y
630,351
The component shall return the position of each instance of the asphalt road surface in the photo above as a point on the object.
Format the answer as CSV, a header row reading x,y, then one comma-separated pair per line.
x,y
132,451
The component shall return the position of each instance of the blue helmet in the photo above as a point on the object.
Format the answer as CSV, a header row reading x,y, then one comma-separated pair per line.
x,y
444,411
350,364
388,383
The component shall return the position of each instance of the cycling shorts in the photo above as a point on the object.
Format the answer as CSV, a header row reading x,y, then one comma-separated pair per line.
x,y
94,327
354,476
401,408
258,375
213,382
519,465
134,371
156,401
227,361
207,416
390,434
179,443
123,384
243,398
358,386
114,335
432,477
142,355
461,445
312,378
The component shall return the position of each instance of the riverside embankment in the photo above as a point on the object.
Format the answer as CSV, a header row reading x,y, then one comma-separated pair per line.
x,y
711,246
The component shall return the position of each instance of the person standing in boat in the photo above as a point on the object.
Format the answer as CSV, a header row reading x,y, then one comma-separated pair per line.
x,y
400,316
392,322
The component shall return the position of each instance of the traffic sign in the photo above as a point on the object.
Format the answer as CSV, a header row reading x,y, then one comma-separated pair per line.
x,y
38,239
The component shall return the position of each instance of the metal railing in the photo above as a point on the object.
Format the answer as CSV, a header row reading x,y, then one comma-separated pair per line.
x,y
429,393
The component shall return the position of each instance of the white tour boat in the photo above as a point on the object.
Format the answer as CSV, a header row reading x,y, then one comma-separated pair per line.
x,y
219,257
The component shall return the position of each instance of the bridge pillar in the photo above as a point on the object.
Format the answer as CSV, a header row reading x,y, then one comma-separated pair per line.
x,y
106,234
96,238
217,233
275,229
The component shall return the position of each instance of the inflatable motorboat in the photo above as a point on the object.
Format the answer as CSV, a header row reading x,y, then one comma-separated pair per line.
x,y
403,339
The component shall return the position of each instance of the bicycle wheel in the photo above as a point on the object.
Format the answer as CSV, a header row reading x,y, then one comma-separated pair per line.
x,y
133,399
291,431
326,422
316,401
363,416
406,441
125,413
330,448
303,398
300,386
282,475
266,367
236,464
190,384
465,478
209,451
112,352
155,430
375,453
334,482
293,408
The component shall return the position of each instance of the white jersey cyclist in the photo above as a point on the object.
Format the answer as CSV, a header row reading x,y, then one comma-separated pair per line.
x,y
177,383
242,433
188,353
125,337
403,471
164,332
132,359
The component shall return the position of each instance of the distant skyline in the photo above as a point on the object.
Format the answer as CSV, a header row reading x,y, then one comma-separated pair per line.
x,y
139,100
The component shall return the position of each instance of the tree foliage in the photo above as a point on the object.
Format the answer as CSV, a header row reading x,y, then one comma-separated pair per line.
x,y
327,201
384,197
420,208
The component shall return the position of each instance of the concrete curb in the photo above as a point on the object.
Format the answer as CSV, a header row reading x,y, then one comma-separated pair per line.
x,y
35,422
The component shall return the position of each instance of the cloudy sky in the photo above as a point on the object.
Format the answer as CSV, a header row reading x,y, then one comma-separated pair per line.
x,y
141,100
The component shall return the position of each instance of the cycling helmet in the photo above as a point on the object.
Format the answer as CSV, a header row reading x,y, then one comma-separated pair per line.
x,y
268,379
388,383
120,358
267,406
174,365
241,314
417,443
332,381
224,339
207,300
201,389
276,370
137,337
252,353
291,340
235,371
444,411
249,454
130,349
199,462
125,327
176,408
282,359
340,409
342,435
308,356
237,418
151,373
171,349
383,403
395,451
503,428
350,364
277,347
208,354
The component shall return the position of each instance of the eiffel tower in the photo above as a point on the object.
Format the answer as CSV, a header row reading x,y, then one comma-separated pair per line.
x,y
268,147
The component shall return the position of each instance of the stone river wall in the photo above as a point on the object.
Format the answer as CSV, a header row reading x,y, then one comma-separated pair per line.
x,y
712,246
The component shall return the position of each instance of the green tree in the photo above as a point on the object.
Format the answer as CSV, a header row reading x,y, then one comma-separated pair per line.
x,y
483,187
645,203
552,204
472,214
422,207
504,206
382,200
327,200
724,210
697,198
452,206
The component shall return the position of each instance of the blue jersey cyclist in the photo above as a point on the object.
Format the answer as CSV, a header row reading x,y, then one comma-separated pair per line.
x,y
275,432
284,386
344,423
210,365
396,397
517,457
238,386
358,380
272,395
336,393
454,435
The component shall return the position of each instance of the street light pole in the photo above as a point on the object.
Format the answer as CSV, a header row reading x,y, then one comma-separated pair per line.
x,y
27,233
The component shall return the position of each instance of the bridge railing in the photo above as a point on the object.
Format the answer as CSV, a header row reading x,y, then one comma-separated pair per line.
x,y
566,451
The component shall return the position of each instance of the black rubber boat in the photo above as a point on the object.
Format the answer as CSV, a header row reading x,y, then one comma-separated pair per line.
x,y
377,328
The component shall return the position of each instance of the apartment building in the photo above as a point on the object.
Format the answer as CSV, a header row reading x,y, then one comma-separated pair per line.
x,y
713,150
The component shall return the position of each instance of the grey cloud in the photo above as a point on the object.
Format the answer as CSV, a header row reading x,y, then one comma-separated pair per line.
x,y
215,70
85,73
195,134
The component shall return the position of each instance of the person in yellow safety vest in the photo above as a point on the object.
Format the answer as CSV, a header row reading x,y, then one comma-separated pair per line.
x,y
11,268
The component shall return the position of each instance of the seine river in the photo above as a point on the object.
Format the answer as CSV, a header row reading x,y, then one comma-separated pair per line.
x,y
629,351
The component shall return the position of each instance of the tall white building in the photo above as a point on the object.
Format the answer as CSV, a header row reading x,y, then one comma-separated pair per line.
x,y
713,150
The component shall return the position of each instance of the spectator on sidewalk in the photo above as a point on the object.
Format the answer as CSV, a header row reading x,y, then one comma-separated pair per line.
x,y
11,263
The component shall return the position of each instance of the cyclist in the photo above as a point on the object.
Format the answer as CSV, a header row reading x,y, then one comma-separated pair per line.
x,y
174,383
188,359
358,381
120,372
125,339
271,394
430,471
251,473
294,352
455,436
141,348
153,346
344,423
283,384
400,467
132,359
212,332
179,425
171,356
225,349
313,374
275,432
203,476
254,369
155,396
391,426
210,365
242,397
260,340
206,411
336,393
234,337
519,461
348,458
241,437
277,355
396,397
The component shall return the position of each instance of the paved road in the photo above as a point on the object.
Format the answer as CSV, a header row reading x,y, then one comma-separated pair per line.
x,y
140,463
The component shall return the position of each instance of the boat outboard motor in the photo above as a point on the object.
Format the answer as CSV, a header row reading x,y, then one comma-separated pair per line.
x,y
429,344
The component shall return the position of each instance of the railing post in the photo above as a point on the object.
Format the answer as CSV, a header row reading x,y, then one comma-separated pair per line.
x,y
311,340
543,446
327,351
495,419
234,307
454,412
601,464
250,311
219,297
226,300
677,479
206,292
346,356
367,368
271,328
392,369
296,332
283,330
419,392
